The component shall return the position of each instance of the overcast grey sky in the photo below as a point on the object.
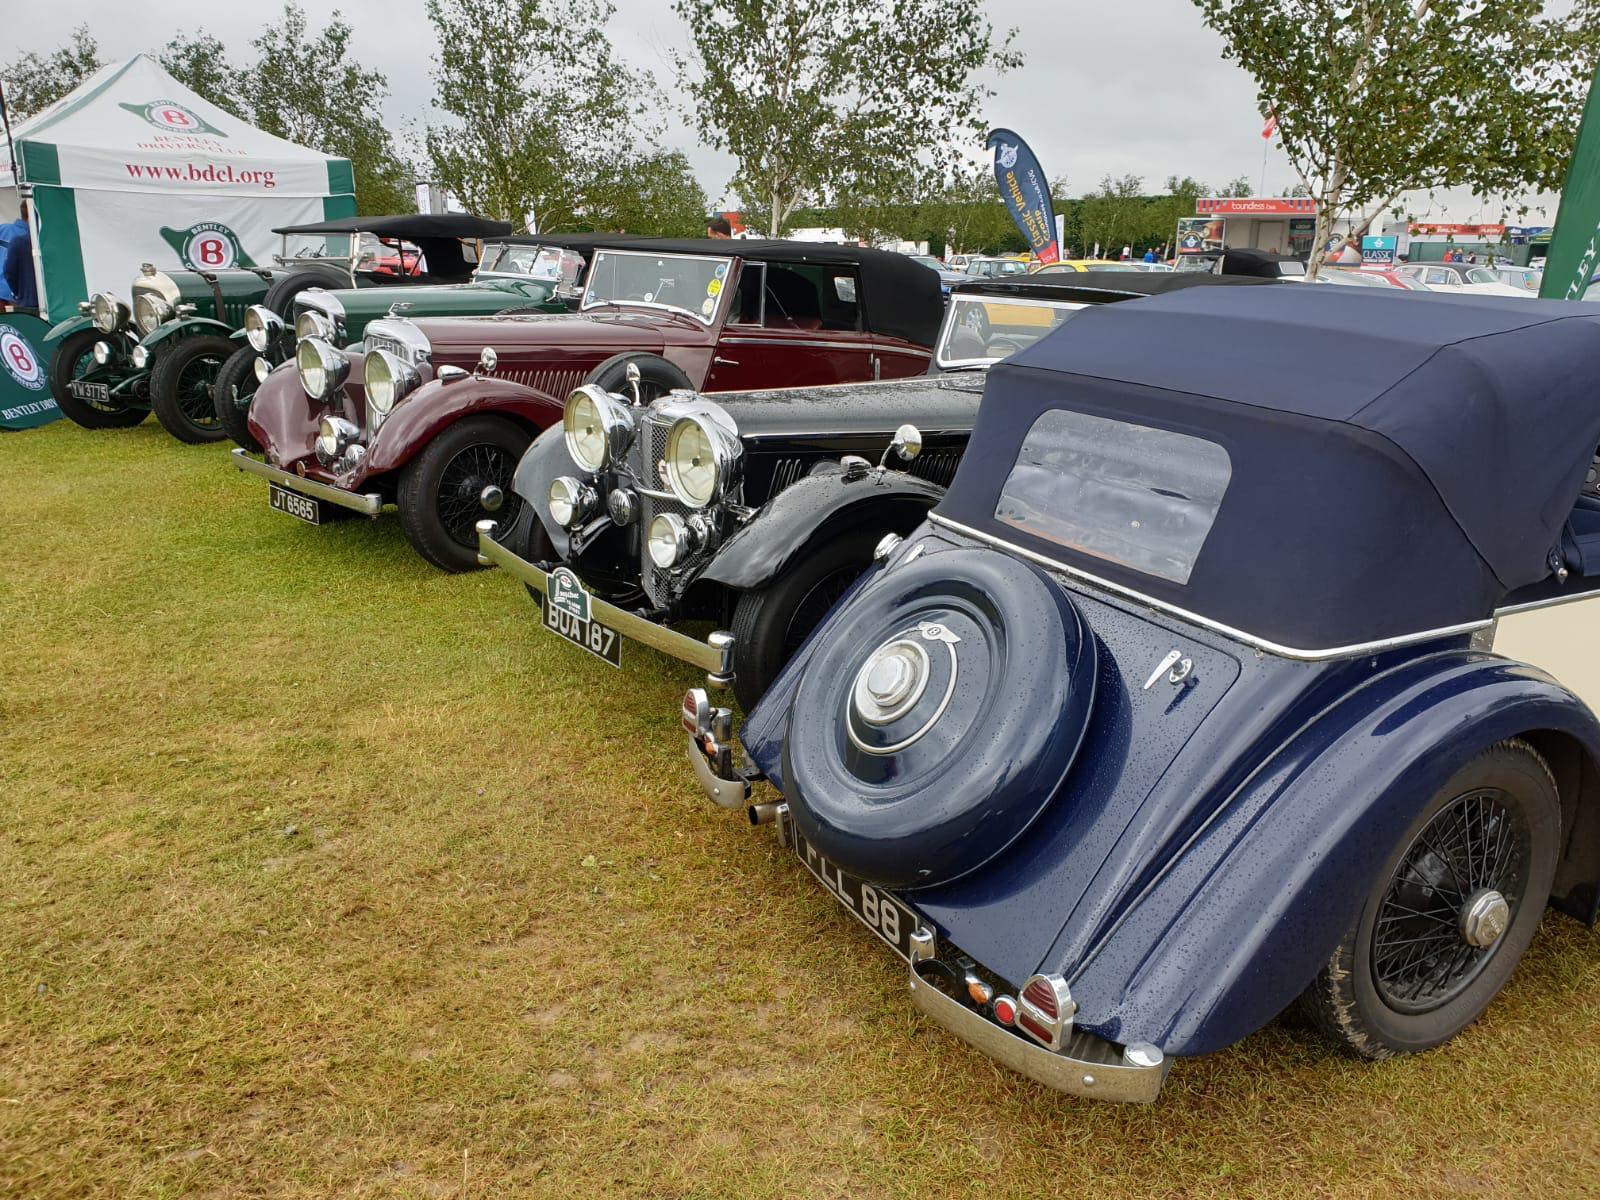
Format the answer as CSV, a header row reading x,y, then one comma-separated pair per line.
x,y
1109,86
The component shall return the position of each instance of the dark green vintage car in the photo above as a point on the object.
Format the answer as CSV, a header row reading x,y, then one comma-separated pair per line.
x,y
519,274
117,361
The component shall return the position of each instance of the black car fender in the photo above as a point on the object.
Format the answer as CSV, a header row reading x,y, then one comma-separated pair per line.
x,y
816,508
545,461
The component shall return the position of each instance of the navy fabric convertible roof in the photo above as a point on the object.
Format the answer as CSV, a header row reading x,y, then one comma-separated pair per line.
x,y
1399,462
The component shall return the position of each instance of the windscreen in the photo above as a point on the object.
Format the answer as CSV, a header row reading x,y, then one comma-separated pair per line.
x,y
981,330
678,282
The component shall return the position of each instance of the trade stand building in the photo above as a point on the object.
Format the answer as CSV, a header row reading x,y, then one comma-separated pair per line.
x,y
1281,224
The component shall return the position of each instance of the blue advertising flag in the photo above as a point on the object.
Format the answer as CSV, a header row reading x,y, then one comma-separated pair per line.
x,y
1026,191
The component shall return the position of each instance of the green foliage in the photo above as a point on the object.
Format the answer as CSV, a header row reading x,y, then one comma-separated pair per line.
x,y
34,81
656,195
1383,97
309,89
856,102
542,119
201,62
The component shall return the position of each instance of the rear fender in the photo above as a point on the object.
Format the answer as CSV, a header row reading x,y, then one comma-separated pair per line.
x,y
1241,920
812,510
436,405
184,327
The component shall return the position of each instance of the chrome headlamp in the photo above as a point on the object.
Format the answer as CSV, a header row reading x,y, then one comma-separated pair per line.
x,y
322,368
598,427
107,312
150,312
311,324
261,327
668,540
570,500
703,459
388,380
334,436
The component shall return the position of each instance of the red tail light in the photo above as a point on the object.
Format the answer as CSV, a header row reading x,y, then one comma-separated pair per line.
x,y
1043,997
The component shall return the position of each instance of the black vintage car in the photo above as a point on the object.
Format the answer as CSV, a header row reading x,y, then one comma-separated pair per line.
x,y
757,510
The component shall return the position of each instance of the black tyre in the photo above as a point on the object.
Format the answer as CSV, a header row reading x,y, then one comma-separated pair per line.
x,y
771,623
657,376
441,490
230,396
181,384
282,291
1451,913
73,358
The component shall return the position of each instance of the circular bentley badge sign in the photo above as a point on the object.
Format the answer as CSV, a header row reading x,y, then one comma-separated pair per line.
x,y
20,360
210,247
172,116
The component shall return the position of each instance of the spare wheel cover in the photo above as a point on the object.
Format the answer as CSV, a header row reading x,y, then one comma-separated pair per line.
x,y
941,710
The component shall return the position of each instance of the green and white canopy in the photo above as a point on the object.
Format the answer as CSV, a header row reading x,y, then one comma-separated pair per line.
x,y
133,167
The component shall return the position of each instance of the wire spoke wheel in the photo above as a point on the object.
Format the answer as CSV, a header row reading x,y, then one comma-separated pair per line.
x,y
461,486
1455,891
195,382
815,605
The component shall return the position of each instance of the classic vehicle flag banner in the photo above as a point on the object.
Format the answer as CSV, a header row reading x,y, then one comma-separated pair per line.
x,y
1575,245
25,399
1026,191
133,167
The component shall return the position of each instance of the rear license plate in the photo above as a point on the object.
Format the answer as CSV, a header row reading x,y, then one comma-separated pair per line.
x,y
82,389
564,607
880,912
304,507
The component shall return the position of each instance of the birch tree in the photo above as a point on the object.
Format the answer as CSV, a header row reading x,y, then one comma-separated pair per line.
x,y
1377,98
845,101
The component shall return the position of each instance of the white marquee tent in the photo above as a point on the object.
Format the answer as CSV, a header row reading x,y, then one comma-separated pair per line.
x,y
133,167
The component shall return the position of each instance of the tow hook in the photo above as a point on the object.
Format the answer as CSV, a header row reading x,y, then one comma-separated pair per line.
x,y
711,750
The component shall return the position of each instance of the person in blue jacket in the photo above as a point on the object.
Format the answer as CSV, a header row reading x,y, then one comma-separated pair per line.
x,y
17,284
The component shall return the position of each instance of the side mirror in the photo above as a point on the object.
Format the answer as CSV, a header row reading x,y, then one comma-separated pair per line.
x,y
906,446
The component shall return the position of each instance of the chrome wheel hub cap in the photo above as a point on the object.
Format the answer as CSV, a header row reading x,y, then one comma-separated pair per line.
x,y
1485,918
891,682
491,498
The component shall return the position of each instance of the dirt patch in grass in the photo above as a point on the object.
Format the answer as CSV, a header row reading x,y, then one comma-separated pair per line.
x,y
326,874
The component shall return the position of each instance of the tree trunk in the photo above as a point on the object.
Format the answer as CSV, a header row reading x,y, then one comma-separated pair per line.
x,y
777,214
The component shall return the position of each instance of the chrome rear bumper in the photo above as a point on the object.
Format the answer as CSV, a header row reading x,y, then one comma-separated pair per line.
x,y
1133,1075
368,504
714,656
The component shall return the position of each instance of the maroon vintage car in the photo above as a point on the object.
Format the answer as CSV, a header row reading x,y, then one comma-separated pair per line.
x,y
432,415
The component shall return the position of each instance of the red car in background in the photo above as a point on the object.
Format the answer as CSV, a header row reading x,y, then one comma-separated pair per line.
x,y
432,415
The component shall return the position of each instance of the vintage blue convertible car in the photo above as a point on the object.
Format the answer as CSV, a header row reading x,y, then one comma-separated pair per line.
x,y
1225,674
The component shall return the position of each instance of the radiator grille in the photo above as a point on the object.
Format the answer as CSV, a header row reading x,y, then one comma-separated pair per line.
x,y
650,450
937,466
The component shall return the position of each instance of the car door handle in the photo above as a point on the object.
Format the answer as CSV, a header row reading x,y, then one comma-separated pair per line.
x,y
719,361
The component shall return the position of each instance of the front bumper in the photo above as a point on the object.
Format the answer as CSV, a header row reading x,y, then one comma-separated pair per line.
x,y
368,504
714,656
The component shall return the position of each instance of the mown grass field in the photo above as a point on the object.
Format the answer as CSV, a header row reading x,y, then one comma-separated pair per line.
x,y
325,874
